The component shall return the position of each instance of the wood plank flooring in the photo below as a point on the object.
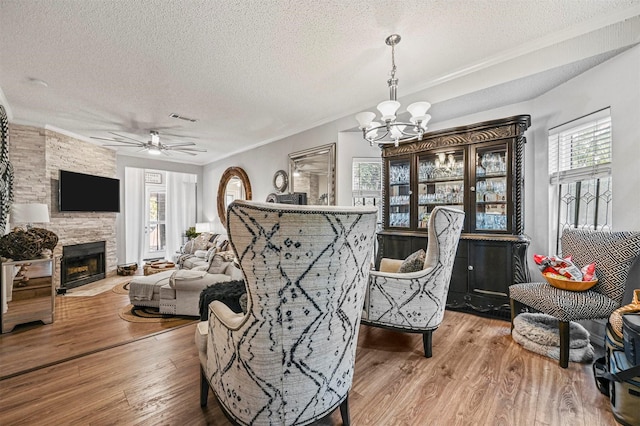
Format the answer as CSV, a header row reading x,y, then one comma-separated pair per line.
x,y
477,376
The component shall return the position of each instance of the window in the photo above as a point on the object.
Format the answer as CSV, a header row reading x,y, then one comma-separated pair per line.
x,y
366,183
580,174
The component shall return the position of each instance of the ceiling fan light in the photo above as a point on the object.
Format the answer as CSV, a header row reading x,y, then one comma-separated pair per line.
x,y
155,138
154,151
365,118
388,110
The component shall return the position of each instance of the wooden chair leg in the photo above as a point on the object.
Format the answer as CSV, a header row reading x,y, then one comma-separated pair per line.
x,y
516,307
204,388
426,343
564,343
344,411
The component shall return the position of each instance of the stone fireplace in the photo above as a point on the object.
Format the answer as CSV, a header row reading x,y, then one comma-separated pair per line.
x,y
82,264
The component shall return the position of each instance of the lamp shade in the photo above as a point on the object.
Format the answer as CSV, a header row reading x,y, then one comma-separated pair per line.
x,y
29,213
203,227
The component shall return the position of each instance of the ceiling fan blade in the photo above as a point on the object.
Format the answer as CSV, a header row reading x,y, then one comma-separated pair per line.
x,y
187,149
180,144
184,152
125,137
129,145
105,139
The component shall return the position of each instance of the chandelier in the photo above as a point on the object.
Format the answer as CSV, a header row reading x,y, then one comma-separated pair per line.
x,y
389,131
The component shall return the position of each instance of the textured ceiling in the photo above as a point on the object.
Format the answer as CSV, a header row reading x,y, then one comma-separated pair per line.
x,y
253,71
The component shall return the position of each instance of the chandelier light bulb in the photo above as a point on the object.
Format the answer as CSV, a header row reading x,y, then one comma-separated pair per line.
x,y
418,110
425,121
365,118
388,110
396,132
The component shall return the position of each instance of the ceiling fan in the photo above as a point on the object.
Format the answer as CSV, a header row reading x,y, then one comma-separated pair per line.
x,y
153,146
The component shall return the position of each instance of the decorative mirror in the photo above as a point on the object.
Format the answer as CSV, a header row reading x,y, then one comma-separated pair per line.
x,y
280,181
312,172
234,185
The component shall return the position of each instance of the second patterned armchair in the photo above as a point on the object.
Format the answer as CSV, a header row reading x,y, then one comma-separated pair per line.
x,y
414,302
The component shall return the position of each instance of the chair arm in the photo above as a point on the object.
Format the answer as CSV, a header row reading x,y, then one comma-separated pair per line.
x,y
198,284
390,265
226,316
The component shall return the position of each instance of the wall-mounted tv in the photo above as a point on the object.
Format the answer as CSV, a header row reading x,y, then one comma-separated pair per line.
x,y
79,192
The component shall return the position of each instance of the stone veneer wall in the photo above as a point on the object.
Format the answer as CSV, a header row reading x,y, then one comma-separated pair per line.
x,y
37,155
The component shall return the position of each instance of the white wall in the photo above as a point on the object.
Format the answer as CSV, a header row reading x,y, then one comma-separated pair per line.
x,y
261,163
615,84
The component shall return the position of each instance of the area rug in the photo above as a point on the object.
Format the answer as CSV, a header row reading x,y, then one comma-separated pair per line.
x,y
91,289
122,288
147,314
539,333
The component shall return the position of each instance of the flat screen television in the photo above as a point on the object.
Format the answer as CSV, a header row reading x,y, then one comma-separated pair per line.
x,y
80,192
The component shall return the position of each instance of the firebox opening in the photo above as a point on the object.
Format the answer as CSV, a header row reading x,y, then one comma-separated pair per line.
x,y
82,264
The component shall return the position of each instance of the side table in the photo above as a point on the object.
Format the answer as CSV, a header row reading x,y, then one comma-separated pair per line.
x,y
27,292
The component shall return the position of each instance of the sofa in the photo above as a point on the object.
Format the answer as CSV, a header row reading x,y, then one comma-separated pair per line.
x,y
177,291
197,253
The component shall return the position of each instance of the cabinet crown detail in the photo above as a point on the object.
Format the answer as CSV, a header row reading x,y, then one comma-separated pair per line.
x,y
485,131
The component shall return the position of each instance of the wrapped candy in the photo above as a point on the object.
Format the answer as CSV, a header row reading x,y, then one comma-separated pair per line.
x,y
564,268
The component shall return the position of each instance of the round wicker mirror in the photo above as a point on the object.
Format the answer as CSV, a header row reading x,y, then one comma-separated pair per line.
x,y
234,185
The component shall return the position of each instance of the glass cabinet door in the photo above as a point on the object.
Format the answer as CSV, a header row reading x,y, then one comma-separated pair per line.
x,y
492,189
440,182
399,193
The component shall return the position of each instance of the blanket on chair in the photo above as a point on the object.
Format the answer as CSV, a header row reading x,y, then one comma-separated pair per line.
x,y
227,292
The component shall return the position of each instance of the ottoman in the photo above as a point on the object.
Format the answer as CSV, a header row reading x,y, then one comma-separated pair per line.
x,y
157,267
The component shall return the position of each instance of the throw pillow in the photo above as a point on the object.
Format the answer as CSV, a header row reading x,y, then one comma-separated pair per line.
x,y
188,247
413,263
201,242
218,265
200,254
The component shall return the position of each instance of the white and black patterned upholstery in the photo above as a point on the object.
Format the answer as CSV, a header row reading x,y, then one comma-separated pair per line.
x,y
290,359
415,301
613,254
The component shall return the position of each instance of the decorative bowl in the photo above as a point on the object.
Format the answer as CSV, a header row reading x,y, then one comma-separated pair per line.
x,y
570,284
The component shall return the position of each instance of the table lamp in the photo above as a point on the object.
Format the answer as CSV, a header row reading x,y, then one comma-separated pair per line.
x,y
29,214
203,227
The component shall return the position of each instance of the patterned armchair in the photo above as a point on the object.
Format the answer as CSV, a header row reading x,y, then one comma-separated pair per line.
x,y
414,301
290,359
613,254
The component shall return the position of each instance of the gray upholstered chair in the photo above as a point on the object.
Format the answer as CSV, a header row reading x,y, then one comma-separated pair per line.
x,y
415,301
613,254
290,359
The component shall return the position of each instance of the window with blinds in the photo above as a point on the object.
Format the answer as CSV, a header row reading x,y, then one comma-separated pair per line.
x,y
580,173
581,147
366,183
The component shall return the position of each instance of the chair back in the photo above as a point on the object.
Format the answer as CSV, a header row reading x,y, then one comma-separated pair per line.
x,y
612,252
445,226
306,269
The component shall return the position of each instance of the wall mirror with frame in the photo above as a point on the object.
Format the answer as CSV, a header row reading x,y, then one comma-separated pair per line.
x,y
312,171
234,185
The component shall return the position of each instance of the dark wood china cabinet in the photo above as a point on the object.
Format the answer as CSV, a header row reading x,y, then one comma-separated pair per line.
x,y
479,169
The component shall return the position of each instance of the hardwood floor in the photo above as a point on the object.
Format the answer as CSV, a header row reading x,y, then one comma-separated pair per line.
x,y
477,376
